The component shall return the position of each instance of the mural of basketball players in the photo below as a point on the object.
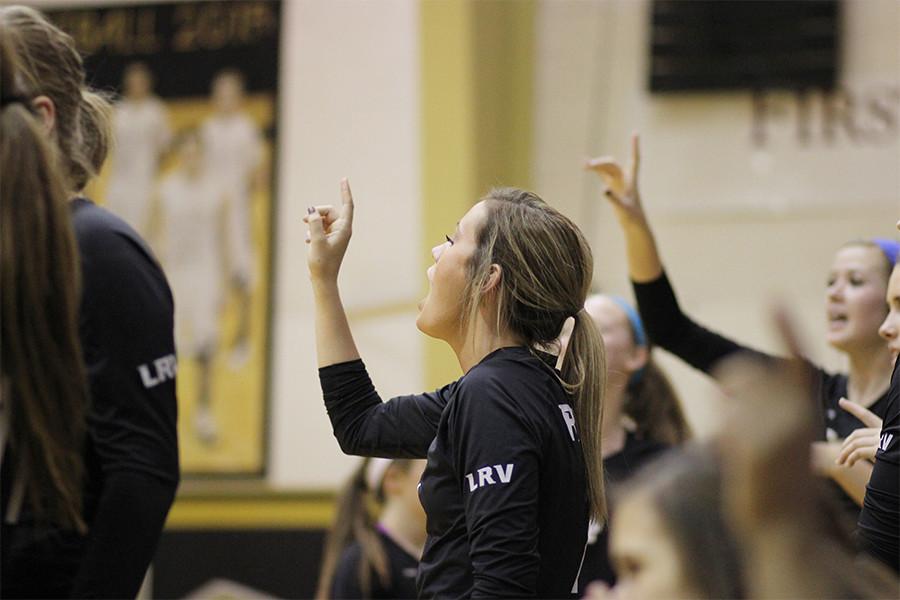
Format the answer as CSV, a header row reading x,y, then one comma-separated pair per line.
x,y
233,156
142,134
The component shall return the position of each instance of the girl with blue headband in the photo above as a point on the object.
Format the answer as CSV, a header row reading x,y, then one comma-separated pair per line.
x,y
642,415
854,308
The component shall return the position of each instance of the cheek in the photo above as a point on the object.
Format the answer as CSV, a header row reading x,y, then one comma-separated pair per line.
x,y
662,577
616,350
868,303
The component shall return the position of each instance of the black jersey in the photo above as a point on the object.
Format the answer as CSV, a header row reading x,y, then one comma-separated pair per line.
x,y
879,520
504,490
617,468
668,327
131,456
127,334
402,570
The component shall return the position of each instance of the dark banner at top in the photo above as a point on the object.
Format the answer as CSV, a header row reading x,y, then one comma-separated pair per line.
x,y
177,41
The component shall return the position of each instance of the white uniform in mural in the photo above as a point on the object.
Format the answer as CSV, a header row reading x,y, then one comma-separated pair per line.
x,y
233,154
141,132
191,210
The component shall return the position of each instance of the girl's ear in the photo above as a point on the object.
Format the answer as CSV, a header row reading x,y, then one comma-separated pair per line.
x,y
495,275
44,107
638,358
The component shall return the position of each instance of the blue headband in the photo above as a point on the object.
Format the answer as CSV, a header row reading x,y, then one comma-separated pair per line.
x,y
634,319
637,329
890,248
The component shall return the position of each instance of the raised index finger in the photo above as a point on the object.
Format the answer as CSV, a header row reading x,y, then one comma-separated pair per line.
x,y
346,201
862,413
635,156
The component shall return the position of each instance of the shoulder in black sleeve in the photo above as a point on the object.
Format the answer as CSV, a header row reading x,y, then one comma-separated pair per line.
x,y
127,332
879,521
126,328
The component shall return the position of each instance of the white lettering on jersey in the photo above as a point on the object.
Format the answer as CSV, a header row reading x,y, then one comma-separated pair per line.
x,y
160,370
504,474
885,441
569,418
486,476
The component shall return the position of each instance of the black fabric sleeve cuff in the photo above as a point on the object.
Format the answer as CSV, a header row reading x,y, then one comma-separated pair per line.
x,y
346,384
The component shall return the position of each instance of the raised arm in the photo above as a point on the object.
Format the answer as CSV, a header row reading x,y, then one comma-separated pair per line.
x,y
644,263
667,326
328,237
362,423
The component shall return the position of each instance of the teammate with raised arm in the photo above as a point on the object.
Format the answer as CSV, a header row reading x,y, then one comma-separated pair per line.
x,y
513,446
854,307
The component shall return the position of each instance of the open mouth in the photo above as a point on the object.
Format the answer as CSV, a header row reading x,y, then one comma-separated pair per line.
x,y
836,318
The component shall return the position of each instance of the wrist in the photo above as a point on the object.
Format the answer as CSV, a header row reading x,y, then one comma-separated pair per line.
x,y
324,286
633,222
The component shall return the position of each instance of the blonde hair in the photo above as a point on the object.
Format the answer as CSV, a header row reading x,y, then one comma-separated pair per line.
x,y
546,268
50,65
355,522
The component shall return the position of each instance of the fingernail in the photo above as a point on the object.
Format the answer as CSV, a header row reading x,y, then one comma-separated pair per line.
x,y
310,210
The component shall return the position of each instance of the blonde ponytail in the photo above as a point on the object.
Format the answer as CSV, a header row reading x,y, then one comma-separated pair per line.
x,y
584,374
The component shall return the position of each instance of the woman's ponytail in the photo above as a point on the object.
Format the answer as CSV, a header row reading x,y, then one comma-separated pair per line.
x,y
584,374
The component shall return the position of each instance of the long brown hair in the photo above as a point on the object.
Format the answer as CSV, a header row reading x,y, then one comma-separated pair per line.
x,y
653,404
39,275
355,522
50,65
546,269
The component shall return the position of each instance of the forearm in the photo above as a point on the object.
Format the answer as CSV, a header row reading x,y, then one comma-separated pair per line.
x,y
853,479
334,340
644,263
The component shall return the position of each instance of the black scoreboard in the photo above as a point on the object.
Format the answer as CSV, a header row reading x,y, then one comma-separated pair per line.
x,y
719,45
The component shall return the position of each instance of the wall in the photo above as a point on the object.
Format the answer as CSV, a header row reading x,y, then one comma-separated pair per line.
x,y
738,225
349,107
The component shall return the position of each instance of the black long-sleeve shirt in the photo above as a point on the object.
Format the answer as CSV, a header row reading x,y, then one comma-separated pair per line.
x,y
402,570
504,490
879,520
131,454
127,333
668,327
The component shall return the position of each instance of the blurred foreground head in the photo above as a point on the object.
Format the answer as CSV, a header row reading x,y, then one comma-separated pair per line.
x,y
669,538
771,498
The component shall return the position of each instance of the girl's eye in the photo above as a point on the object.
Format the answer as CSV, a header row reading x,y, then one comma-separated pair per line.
x,y
447,237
